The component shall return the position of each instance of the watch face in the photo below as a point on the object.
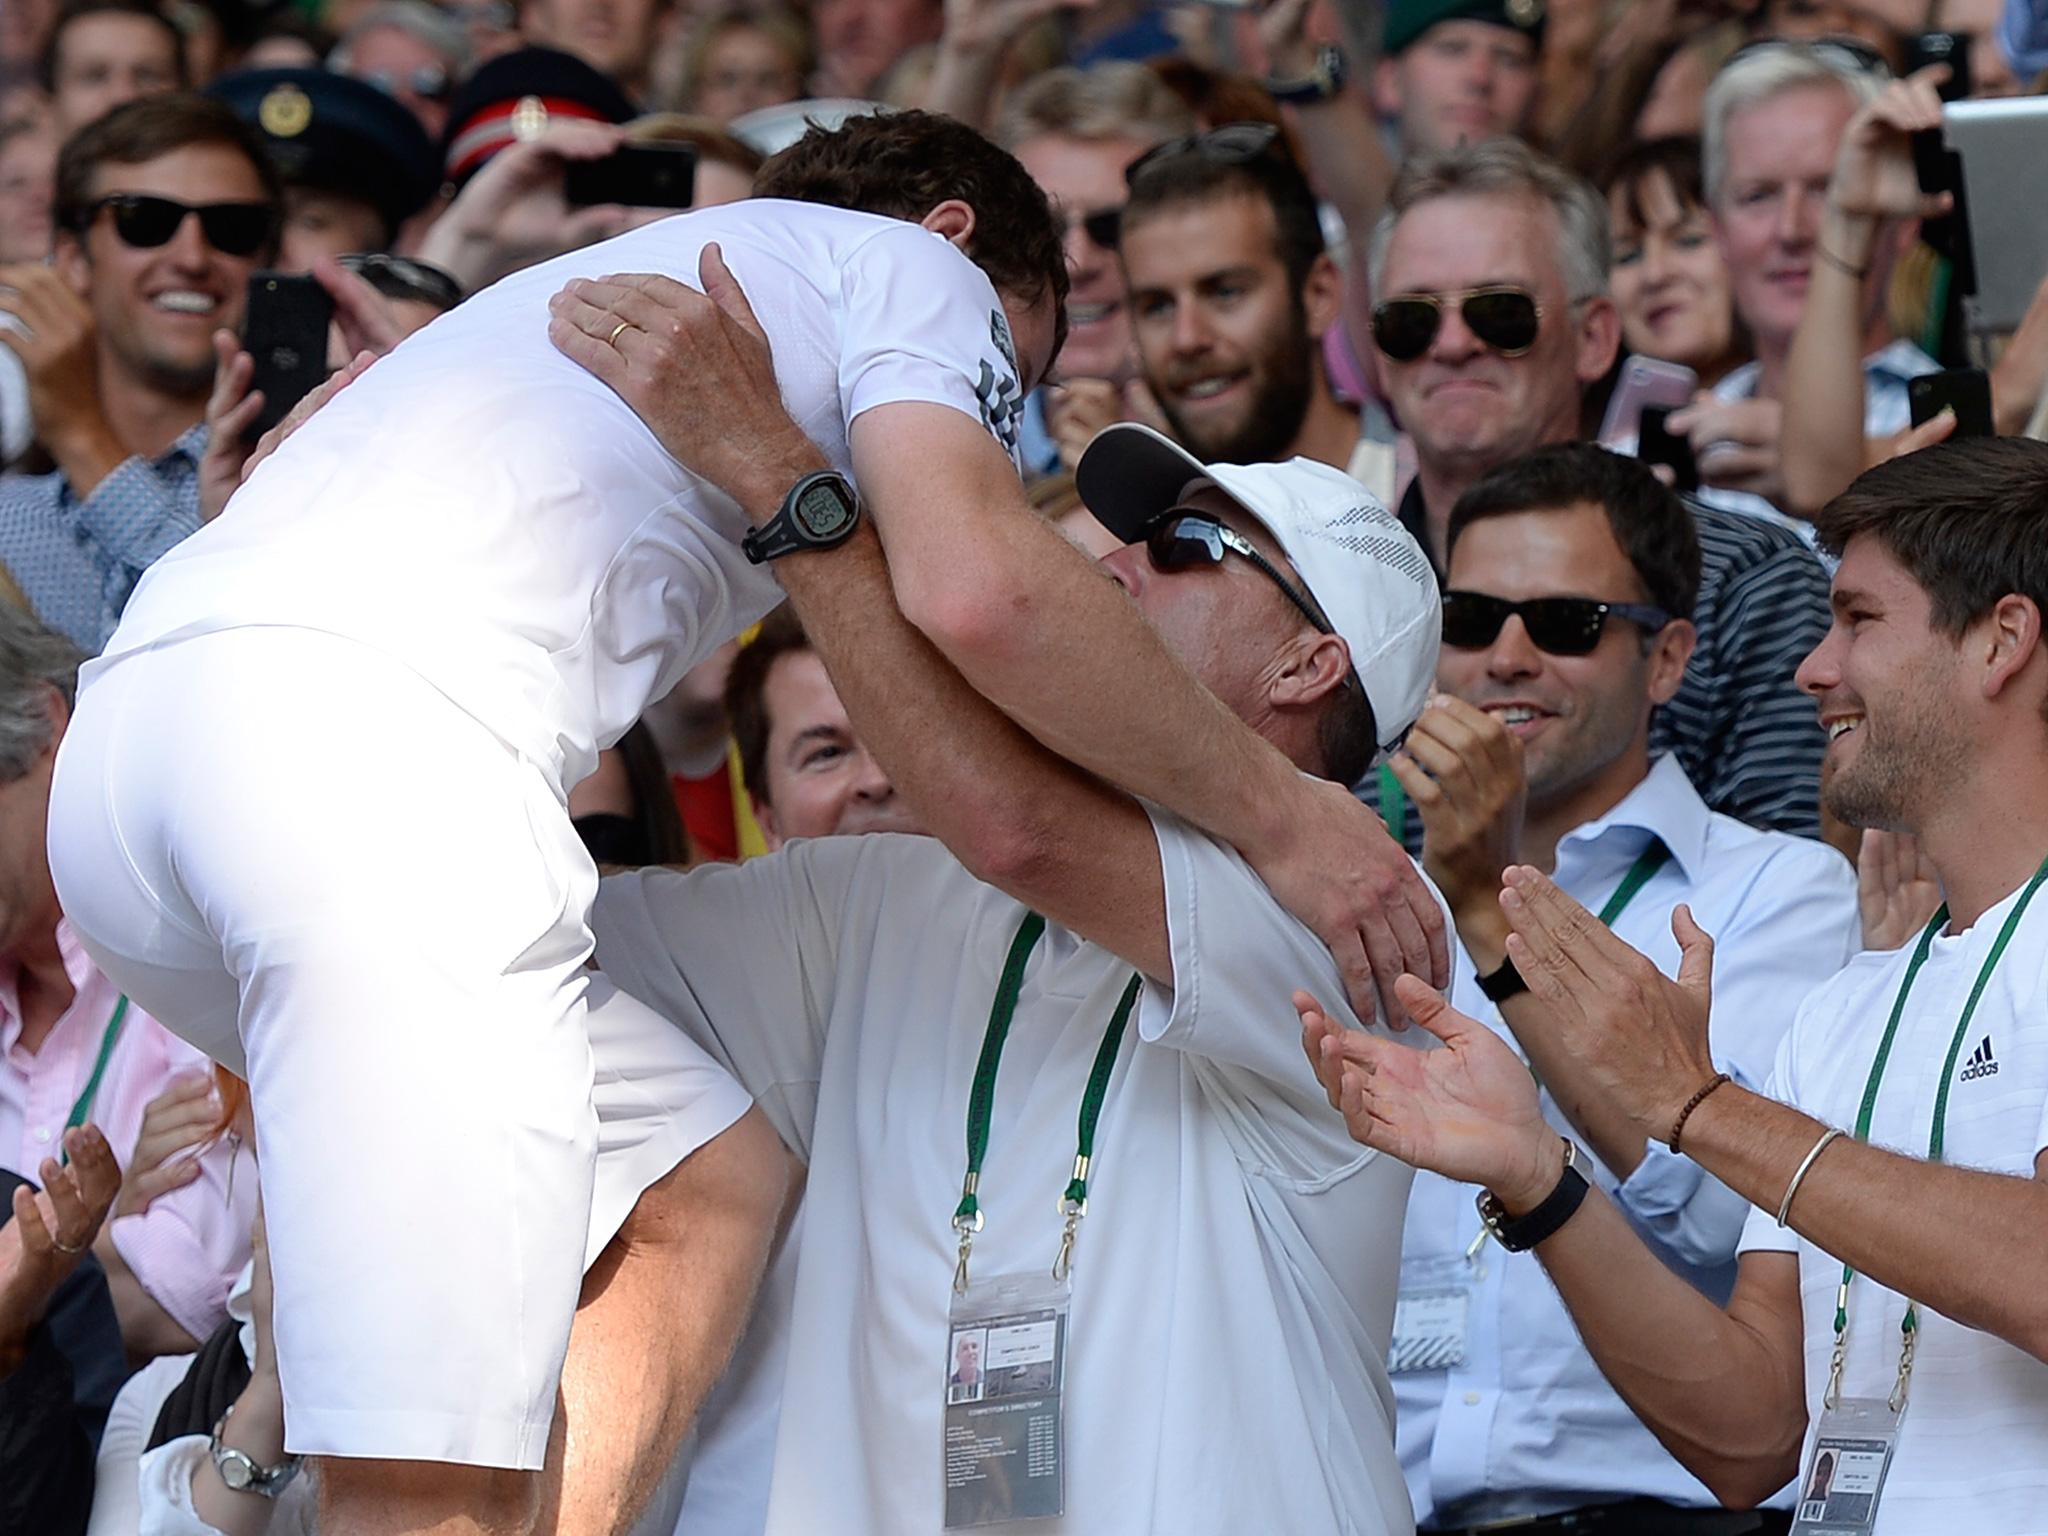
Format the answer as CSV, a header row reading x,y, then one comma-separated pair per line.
x,y
235,1472
822,511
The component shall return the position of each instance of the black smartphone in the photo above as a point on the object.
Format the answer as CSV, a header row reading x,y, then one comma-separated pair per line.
x,y
1966,391
635,176
285,330
1658,444
1950,48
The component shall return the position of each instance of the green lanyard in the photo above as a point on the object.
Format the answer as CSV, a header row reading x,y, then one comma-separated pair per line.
x,y
99,1068
1393,805
1648,862
1910,1323
967,1217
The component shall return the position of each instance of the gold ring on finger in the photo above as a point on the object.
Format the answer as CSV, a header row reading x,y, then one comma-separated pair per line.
x,y
617,331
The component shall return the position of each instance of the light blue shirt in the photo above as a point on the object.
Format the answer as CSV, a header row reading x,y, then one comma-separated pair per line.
x,y
1527,1425
78,557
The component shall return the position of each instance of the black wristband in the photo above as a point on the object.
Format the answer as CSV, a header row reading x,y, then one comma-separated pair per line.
x,y
1503,982
1518,1234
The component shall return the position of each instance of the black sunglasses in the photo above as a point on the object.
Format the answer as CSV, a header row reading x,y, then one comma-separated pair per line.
x,y
1182,541
401,277
1561,626
1505,319
1104,226
233,229
1231,144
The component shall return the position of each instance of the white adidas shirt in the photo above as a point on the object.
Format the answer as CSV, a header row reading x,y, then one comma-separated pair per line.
x,y
1970,1456
1235,1278
496,518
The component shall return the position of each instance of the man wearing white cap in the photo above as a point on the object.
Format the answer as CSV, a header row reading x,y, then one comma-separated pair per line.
x,y
1086,1143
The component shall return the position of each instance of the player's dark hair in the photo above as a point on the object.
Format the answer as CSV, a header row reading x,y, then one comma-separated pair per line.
x,y
904,164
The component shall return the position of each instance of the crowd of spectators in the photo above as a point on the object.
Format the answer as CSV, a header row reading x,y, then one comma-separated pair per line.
x,y
1616,306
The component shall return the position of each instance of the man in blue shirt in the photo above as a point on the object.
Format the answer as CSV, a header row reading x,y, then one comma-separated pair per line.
x,y
164,207
1569,589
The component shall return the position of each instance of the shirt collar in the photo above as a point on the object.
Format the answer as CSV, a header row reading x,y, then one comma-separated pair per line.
x,y
1664,806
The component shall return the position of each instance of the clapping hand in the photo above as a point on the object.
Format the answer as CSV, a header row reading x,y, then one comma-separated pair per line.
x,y
1468,1111
52,1230
1641,1036
1897,888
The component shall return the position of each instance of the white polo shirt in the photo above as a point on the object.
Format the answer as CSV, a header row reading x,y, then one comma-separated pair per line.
x,y
1525,1424
1234,1280
1970,1451
495,517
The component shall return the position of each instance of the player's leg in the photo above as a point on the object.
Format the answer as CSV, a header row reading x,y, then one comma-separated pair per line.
x,y
667,1297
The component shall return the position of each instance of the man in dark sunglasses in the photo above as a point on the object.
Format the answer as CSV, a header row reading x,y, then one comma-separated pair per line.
x,y
1572,579
1492,322
164,207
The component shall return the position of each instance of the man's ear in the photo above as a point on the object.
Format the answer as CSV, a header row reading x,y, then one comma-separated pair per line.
x,y
1386,88
954,219
1599,339
1322,296
764,818
68,256
1669,653
2011,640
1314,667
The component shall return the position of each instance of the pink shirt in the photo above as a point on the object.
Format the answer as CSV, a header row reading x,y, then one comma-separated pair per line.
x,y
187,1248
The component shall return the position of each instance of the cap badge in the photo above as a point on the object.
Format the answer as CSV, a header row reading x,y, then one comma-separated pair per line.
x,y
286,112
529,118
1525,13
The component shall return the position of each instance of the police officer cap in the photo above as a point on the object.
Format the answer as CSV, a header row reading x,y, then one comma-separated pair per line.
x,y
515,97
1409,19
339,135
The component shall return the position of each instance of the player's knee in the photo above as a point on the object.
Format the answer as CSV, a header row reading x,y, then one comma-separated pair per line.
x,y
365,1497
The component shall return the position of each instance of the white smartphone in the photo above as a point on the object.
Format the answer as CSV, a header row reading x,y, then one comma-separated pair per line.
x,y
1645,381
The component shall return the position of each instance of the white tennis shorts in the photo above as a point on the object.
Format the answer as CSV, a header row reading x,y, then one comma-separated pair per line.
x,y
304,859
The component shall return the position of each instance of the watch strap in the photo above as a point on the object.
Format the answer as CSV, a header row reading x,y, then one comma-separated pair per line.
x,y
241,1472
1321,84
771,541
1518,1234
1502,982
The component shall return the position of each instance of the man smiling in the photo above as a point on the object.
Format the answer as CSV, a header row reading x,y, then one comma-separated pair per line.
x,y
1567,617
164,207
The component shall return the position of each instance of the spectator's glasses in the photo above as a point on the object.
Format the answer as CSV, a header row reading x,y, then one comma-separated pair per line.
x,y
1184,541
1232,144
429,82
1103,226
1505,319
1851,54
1560,626
400,277
233,229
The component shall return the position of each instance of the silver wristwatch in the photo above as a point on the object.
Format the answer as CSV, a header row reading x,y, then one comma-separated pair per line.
x,y
242,1473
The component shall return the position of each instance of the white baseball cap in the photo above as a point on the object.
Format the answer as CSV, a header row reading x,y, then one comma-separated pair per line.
x,y
1365,571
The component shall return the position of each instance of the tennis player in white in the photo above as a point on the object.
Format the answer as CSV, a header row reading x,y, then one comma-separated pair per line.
x,y
311,813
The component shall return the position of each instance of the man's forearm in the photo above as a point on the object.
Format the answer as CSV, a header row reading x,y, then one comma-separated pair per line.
x,y
1823,429
1951,1238
1719,1393
146,1328
1009,809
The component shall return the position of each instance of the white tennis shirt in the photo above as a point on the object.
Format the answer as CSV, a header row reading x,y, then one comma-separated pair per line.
x,y
1234,1280
495,517
1969,1456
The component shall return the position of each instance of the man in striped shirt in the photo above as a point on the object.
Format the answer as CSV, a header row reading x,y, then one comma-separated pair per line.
x,y
1477,385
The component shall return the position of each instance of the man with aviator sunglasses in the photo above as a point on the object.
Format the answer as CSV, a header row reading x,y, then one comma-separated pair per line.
x,y
164,207
1572,577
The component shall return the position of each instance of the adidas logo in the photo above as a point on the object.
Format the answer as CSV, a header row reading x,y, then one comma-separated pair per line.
x,y
1981,1063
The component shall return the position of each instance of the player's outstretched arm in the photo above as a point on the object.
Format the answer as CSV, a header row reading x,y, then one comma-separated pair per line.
x,y
1020,613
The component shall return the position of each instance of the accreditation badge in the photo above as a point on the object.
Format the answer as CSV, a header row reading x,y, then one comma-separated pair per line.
x,y
1430,1314
1841,1481
1006,1370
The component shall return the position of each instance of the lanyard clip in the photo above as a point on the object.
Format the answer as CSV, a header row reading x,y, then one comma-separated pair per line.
x,y
1834,1392
1911,1328
1063,1265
